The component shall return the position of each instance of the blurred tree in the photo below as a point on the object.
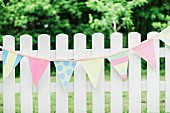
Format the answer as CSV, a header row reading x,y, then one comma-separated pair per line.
x,y
115,14
52,17
1,3
154,16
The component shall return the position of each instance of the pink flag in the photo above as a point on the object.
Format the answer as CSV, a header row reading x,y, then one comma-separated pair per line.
x,y
147,52
37,67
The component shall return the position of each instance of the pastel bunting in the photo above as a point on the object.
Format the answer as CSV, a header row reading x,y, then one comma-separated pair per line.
x,y
92,68
120,63
64,71
37,67
10,61
147,52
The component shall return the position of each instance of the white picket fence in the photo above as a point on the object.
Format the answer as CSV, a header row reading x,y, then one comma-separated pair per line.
x,y
134,85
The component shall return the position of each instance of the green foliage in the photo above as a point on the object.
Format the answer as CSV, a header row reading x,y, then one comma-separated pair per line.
x,y
113,12
53,17
37,17
1,4
154,16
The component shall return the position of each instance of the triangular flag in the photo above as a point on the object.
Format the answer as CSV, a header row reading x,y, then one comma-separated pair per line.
x,y
165,36
147,52
10,61
65,70
92,68
37,67
120,63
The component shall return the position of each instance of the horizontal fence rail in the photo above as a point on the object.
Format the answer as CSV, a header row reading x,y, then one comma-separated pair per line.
x,y
134,85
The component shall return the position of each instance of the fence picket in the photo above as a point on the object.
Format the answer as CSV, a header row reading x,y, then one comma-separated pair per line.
x,y
25,75
61,94
79,74
9,82
134,75
153,80
44,83
167,78
80,87
116,80
98,92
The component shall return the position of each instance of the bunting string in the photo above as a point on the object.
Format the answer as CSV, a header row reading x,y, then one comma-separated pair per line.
x,y
159,36
92,66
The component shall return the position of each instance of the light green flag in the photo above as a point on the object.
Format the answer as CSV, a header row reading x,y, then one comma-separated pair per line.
x,y
92,68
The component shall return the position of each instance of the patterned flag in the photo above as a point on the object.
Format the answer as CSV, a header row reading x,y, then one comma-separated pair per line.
x,y
120,63
10,61
92,68
64,70
37,67
147,52
165,36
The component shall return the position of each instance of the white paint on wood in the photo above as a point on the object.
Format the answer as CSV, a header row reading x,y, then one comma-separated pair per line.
x,y
134,38
61,94
116,44
25,75
153,85
107,87
98,103
153,80
167,79
9,82
79,74
107,52
44,82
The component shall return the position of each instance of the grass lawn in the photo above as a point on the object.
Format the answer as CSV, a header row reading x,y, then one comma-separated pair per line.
x,y
89,100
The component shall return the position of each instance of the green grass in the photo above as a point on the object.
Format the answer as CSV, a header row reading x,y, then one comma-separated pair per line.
x,y
89,100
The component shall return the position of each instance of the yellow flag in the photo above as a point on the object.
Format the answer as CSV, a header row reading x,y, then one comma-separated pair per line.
x,y
92,68
9,64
